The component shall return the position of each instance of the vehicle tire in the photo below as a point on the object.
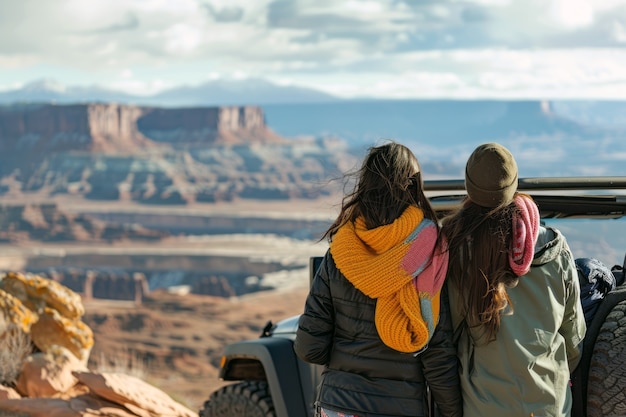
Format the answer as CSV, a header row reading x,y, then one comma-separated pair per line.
x,y
244,399
606,388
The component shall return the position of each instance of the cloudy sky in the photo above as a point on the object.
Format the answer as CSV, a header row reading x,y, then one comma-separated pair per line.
x,y
350,48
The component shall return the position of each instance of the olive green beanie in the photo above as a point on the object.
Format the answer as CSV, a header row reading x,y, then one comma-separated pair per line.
x,y
491,175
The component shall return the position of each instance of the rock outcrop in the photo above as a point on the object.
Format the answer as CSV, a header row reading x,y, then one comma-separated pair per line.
x,y
46,374
48,311
14,315
52,377
205,125
88,394
163,156
107,127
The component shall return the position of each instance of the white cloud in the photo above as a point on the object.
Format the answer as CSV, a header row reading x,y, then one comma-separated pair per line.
x,y
372,47
126,73
571,14
362,7
182,38
493,73
16,62
619,32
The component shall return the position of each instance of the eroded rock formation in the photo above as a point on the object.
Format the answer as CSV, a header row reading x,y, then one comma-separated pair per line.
x,y
152,155
30,131
106,127
205,125
52,378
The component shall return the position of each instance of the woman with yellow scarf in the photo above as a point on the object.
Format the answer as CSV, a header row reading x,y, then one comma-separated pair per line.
x,y
377,314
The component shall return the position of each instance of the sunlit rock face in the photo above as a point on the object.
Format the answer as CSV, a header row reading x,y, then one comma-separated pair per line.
x,y
45,348
47,311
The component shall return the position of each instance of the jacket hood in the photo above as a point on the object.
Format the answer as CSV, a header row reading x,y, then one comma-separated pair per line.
x,y
550,244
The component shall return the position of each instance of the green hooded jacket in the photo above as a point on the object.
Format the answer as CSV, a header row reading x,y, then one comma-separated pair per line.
x,y
526,370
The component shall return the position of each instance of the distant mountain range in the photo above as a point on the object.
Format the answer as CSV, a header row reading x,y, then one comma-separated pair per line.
x,y
212,93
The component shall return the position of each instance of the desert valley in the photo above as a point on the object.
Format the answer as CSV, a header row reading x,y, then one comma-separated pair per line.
x,y
182,229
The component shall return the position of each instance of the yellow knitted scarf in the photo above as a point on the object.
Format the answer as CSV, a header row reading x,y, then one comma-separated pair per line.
x,y
400,266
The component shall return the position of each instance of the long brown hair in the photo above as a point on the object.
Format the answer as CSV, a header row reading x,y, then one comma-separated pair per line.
x,y
479,239
388,181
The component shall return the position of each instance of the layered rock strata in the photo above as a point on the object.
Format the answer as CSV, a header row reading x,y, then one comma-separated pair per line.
x,y
110,127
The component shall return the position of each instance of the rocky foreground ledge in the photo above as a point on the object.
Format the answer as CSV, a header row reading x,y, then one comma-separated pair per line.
x,y
44,351
57,391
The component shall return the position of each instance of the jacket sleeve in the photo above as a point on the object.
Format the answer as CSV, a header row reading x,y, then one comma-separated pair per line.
x,y
440,363
314,336
573,327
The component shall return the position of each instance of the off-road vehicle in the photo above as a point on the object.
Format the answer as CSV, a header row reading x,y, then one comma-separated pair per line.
x,y
271,381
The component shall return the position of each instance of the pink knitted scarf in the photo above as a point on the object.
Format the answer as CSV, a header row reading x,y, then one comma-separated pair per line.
x,y
525,234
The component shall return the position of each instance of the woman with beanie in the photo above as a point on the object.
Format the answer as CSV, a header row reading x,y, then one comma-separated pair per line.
x,y
376,316
514,296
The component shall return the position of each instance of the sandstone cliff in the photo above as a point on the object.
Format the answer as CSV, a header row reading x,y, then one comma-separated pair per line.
x,y
106,127
217,125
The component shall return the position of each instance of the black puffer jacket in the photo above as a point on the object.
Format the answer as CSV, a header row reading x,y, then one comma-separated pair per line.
x,y
361,374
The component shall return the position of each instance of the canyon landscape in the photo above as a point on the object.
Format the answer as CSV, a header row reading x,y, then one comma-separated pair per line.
x,y
175,164
185,229
109,194
181,229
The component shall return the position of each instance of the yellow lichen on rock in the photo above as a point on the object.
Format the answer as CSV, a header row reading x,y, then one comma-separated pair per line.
x,y
54,329
37,293
14,315
47,310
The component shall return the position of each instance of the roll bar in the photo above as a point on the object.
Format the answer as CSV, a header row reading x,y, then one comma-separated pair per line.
x,y
540,183
556,197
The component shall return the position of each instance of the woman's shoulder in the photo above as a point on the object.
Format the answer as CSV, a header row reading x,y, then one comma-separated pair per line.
x,y
551,246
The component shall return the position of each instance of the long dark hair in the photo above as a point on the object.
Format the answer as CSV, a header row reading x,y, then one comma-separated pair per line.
x,y
479,239
389,181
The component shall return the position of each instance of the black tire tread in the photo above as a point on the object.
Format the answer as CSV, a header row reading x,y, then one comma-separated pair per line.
x,y
246,398
606,389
